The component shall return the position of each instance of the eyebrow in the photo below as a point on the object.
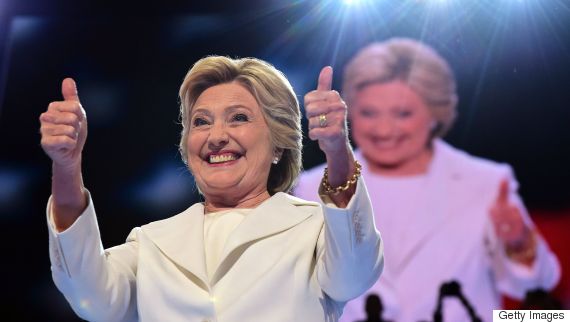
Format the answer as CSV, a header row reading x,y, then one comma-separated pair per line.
x,y
238,106
200,110
230,108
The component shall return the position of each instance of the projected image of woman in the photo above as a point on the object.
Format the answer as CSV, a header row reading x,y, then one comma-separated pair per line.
x,y
444,214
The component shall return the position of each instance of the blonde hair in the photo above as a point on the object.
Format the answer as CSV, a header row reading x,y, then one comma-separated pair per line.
x,y
273,93
412,62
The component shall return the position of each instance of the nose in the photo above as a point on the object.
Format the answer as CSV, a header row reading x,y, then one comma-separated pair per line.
x,y
218,136
385,128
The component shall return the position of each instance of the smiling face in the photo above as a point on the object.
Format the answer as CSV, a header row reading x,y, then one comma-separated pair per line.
x,y
229,146
392,125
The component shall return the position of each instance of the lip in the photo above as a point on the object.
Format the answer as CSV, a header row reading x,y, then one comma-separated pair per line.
x,y
386,144
208,155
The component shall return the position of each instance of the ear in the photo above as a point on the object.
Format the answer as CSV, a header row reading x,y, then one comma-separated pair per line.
x,y
435,128
434,125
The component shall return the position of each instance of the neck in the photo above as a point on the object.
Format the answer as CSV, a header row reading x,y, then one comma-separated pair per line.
x,y
416,165
225,202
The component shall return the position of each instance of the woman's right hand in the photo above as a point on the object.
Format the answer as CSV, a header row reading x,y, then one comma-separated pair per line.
x,y
64,128
64,131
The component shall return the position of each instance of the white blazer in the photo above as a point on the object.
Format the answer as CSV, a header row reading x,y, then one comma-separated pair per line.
x,y
289,260
450,237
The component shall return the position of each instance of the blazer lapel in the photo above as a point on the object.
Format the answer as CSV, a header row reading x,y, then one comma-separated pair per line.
x,y
441,182
277,214
181,239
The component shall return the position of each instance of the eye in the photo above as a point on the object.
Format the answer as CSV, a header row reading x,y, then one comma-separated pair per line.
x,y
404,114
367,113
198,121
240,117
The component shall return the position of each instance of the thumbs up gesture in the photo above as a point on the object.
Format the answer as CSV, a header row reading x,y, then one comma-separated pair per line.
x,y
64,128
326,112
508,221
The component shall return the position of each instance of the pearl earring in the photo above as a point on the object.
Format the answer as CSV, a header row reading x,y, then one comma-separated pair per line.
x,y
275,160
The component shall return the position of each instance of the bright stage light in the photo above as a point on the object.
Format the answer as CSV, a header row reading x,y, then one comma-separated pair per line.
x,y
441,1
350,2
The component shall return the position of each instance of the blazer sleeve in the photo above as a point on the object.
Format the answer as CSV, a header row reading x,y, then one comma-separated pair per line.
x,y
515,279
98,284
350,255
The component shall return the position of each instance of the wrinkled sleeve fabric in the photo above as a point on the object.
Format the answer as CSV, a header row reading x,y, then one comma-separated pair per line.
x,y
99,284
350,255
515,279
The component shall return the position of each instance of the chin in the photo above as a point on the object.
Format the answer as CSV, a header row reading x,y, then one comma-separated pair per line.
x,y
382,161
388,164
222,185
216,184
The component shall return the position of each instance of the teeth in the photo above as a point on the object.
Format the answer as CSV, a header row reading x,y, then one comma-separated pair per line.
x,y
222,158
385,145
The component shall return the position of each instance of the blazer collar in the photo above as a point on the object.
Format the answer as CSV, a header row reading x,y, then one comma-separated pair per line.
x,y
277,214
442,176
181,238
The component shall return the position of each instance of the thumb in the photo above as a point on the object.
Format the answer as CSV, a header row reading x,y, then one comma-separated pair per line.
x,y
503,196
325,79
69,90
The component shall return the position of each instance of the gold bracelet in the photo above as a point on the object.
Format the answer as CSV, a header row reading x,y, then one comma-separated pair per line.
x,y
527,254
349,183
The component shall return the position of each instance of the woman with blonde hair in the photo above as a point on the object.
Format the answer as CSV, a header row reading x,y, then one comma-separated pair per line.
x,y
445,215
249,252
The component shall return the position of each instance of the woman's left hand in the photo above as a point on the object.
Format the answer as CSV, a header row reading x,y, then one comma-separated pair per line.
x,y
509,224
326,112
